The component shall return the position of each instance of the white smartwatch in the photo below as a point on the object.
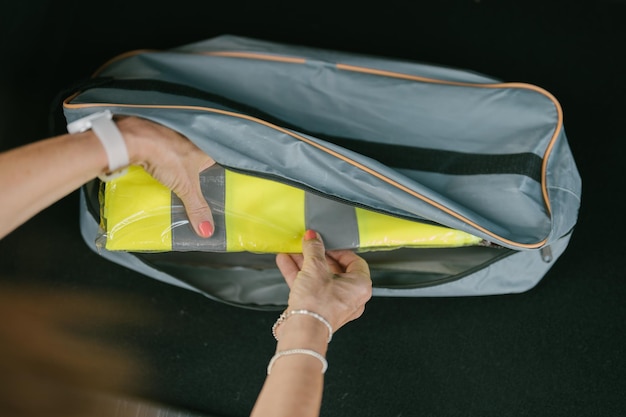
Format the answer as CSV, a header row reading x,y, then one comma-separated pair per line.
x,y
111,138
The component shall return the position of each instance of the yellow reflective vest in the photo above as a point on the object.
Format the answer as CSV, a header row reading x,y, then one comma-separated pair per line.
x,y
253,214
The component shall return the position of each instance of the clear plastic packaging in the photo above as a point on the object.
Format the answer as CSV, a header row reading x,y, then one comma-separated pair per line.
x,y
251,214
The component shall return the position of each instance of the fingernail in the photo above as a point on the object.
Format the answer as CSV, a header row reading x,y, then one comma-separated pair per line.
x,y
206,228
310,234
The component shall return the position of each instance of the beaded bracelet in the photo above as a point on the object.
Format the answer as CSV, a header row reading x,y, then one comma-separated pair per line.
x,y
309,352
285,316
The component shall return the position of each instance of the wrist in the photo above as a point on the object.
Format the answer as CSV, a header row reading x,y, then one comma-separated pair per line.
x,y
133,139
289,313
110,137
92,143
301,331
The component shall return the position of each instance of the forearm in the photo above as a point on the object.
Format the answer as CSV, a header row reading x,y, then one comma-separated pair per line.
x,y
295,385
35,176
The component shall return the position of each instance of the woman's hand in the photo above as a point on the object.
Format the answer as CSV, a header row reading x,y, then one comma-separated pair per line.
x,y
334,284
174,161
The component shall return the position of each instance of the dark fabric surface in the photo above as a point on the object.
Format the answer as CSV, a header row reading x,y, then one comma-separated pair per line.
x,y
557,350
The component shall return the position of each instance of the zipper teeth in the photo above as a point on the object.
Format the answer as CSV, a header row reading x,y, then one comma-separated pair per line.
x,y
296,60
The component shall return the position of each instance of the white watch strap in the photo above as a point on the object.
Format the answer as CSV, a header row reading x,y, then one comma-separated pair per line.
x,y
111,138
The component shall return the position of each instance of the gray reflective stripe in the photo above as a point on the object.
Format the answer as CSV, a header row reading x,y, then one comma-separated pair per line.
x,y
335,221
183,236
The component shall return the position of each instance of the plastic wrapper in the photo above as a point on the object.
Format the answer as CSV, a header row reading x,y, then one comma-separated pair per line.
x,y
253,214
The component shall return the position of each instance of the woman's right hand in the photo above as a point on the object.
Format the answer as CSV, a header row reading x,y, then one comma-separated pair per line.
x,y
333,284
174,161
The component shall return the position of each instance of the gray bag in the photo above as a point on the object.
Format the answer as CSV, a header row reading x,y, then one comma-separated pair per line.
x,y
418,142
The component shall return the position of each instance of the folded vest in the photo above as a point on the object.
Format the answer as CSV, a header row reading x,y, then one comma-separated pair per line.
x,y
253,214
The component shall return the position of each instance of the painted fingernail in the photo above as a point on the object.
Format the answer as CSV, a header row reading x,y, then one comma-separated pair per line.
x,y
206,228
310,234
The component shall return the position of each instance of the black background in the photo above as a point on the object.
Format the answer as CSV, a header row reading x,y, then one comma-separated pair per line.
x,y
557,350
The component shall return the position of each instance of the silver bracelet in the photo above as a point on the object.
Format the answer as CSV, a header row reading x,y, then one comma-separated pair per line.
x,y
309,352
285,316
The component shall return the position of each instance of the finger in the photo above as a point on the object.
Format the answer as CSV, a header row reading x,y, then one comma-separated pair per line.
x,y
313,253
333,265
198,212
288,267
206,162
351,262
298,259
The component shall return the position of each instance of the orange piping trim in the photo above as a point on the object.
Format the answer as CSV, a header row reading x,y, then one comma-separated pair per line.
x,y
250,55
526,86
321,147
